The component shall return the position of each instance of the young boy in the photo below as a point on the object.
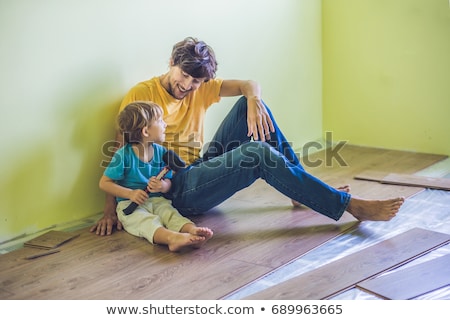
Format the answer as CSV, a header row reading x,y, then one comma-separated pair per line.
x,y
128,176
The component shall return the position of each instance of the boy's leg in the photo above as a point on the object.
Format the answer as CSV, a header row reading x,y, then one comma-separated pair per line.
x,y
169,216
175,241
145,223
177,224
142,222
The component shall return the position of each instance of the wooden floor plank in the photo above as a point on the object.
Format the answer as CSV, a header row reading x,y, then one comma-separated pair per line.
x,y
411,282
335,277
417,181
359,159
405,180
255,231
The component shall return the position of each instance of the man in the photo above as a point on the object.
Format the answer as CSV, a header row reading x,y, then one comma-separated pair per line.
x,y
247,146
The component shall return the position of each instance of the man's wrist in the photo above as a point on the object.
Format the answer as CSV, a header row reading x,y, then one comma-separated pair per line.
x,y
109,211
254,97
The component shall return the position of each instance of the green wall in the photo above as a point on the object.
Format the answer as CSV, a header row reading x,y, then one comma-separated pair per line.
x,y
66,65
374,72
386,79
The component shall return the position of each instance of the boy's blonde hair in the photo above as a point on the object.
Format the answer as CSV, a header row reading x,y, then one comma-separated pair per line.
x,y
136,116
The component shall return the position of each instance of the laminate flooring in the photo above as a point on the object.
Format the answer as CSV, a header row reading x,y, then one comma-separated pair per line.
x,y
257,232
411,282
429,209
335,277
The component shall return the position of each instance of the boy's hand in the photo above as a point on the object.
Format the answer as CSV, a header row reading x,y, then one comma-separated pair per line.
x,y
138,196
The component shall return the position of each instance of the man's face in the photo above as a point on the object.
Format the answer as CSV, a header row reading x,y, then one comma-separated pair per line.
x,y
181,83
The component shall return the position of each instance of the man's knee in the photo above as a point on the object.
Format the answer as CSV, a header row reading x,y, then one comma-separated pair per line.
x,y
256,154
240,107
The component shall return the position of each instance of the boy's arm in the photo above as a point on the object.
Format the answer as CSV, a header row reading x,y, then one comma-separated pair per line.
x,y
109,186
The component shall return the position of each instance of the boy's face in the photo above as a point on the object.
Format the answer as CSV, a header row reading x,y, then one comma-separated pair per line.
x,y
157,130
181,83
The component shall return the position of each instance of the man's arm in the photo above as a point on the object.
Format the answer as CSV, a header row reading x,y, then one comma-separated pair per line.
x,y
105,224
258,120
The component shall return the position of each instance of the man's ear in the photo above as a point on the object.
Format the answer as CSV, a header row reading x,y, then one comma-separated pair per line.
x,y
171,63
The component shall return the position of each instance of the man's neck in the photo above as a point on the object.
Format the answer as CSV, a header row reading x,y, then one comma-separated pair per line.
x,y
164,80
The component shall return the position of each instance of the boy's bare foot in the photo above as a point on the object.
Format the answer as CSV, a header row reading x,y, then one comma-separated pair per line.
x,y
206,233
374,210
179,240
345,188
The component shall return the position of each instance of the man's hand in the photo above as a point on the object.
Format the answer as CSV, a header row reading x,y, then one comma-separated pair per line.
x,y
159,185
105,225
259,123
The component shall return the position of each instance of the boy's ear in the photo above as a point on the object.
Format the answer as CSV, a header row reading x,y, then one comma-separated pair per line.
x,y
171,63
145,132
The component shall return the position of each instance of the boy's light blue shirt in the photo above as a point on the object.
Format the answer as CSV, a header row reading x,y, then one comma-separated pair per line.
x,y
127,170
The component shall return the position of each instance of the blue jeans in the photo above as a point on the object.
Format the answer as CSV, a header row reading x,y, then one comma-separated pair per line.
x,y
232,162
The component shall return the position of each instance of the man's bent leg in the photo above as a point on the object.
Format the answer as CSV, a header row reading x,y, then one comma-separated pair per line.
x,y
207,184
233,132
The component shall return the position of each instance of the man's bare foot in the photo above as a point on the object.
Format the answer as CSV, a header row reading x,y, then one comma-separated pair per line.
x,y
179,240
203,232
345,188
374,210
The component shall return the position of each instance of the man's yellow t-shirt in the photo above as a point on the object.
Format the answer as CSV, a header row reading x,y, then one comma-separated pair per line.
x,y
184,118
